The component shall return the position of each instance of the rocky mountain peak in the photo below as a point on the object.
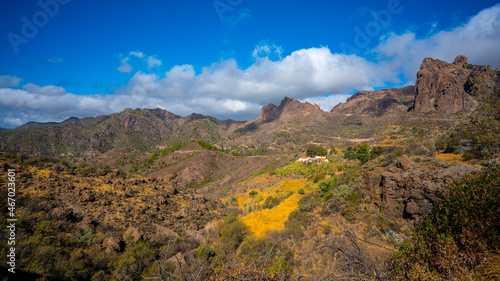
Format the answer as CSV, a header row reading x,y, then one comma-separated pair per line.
x,y
440,86
460,60
378,103
289,109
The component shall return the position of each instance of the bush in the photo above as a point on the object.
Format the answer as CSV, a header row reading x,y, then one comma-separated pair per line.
x,y
317,177
314,150
458,233
253,193
204,252
376,151
360,152
271,202
300,191
327,184
232,234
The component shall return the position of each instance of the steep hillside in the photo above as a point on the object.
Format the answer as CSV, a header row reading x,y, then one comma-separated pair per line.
x,y
149,194
139,129
378,103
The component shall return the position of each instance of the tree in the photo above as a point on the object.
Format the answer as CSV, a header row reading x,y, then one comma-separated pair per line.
x,y
315,150
360,152
350,154
363,152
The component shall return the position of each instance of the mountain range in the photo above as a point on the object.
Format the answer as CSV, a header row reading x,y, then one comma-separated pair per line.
x,y
145,192
441,88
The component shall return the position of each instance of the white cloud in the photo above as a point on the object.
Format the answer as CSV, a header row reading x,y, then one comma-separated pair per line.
x,y
45,91
9,81
150,61
328,102
267,50
125,67
478,39
137,54
225,90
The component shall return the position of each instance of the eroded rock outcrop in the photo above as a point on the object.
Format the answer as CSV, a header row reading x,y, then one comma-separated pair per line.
x,y
288,110
412,184
440,86
376,103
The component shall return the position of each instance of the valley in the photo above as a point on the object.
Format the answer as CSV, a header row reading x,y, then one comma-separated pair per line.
x,y
145,194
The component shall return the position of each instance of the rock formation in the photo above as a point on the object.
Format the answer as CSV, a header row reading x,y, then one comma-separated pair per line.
x,y
440,86
288,110
392,100
412,184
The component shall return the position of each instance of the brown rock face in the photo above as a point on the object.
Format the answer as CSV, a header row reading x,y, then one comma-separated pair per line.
x,y
376,103
288,110
411,184
440,86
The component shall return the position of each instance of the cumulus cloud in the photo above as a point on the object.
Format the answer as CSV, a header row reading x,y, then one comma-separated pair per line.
x,y
225,90
45,90
125,67
478,39
304,73
9,81
150,61
267,50
327,102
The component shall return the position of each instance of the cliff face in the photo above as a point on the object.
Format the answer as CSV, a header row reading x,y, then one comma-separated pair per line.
x,y
376,103
288,110
440,86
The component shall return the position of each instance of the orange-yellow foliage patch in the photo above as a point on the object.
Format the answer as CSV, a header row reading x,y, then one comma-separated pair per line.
x,y
451,157
271,219
279,189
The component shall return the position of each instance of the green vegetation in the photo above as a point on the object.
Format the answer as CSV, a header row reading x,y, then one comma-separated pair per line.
x,y
315,150
232,234
457,235
175,147
271,202
208,146
360,152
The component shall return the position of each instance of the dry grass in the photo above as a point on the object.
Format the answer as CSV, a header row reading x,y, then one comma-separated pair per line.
x,y
279,189
451,157
272,219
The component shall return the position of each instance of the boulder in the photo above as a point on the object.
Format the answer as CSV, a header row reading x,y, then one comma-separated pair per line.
x,y
165,231
132,234
61,213
177,260
404,163
111,244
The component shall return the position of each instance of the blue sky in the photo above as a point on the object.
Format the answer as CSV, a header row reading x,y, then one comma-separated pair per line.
x,y
225,58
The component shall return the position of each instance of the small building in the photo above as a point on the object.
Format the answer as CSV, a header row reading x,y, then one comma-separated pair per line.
x,y
305,159
320,159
